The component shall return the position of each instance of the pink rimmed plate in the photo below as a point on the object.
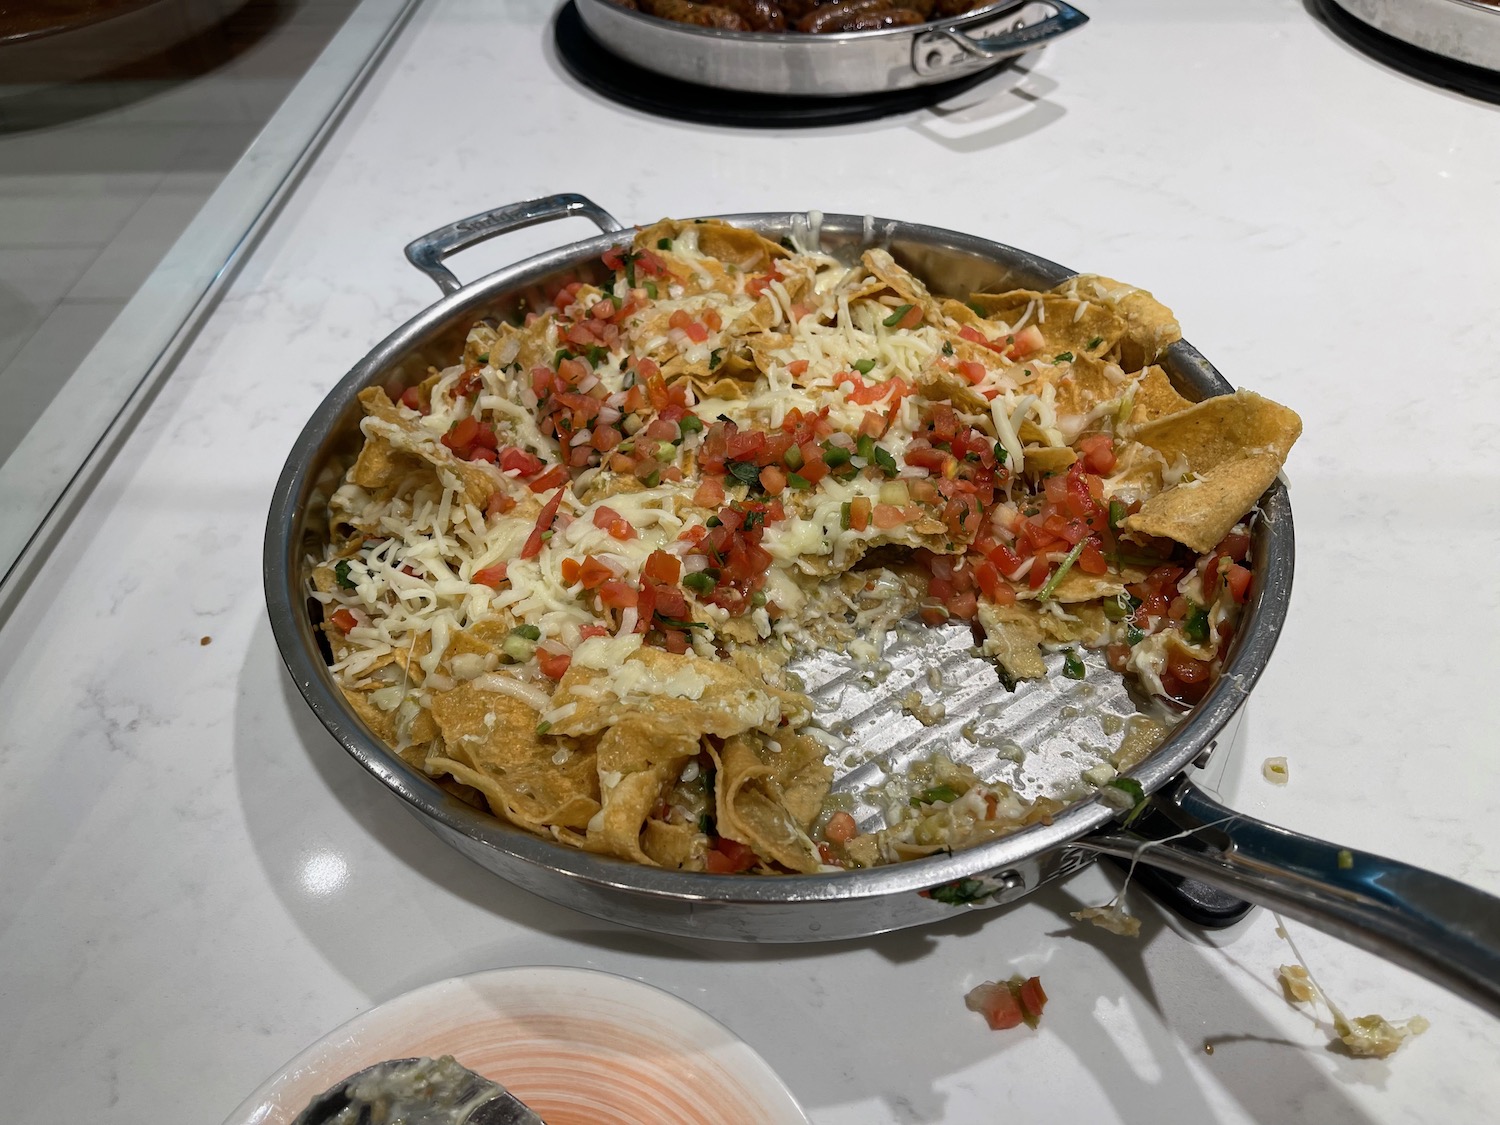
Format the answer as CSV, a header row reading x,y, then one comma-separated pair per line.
x,y
579,1047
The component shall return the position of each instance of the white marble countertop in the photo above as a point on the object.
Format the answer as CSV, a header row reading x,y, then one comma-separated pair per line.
x,y
197,882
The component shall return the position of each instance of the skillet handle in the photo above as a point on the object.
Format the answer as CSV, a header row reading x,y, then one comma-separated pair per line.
x,y
427,253
948,50
1433,925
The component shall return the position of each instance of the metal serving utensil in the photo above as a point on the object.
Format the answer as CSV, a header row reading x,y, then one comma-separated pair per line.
x,y
417,1092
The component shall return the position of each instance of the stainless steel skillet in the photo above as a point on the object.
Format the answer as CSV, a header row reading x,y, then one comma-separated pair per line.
x,y
1434,925
838,65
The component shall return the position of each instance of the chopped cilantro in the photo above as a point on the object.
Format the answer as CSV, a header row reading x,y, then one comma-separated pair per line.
x,y
529,632
798,481
341,574
1063,357
483,357
562,354
715,358
947,348
962,892
864,366
886,462
1001,453
1094,343
895,317
1134,635
1195,625
747,472
664,244
673,623
1073,666
597,355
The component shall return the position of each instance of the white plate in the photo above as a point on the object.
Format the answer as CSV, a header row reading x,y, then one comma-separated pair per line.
x,y
579,1047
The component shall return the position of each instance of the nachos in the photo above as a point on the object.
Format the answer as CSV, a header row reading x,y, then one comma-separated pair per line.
x,y
568,572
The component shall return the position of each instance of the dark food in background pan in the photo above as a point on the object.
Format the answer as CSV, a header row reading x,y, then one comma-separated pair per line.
x,y
806,16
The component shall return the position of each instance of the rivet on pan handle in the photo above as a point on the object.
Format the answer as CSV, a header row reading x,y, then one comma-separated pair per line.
x,y
1433,925
948,49
427,253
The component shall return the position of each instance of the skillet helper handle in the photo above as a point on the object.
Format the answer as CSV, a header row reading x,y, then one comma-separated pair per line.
x,y
427,253
1433,925
949,49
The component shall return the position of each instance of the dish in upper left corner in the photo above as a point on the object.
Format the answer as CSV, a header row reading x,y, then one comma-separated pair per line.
x,y
578,1046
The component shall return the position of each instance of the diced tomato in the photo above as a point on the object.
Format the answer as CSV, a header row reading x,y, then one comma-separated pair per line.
x,y
594,573
887,516
728,856
696,332
490,576
797,367
569,569
1237,578
553,665
616,593
518,460
973,371
1098,454
1185,668
343,620
557,476
412,398
710,493
662,567
1116,656
773,480
925,457
1033,998
1235,546
461,433
841,828
612,258
1028,340
533,544
859,513
1037,576
1091,560
997,1004
675,641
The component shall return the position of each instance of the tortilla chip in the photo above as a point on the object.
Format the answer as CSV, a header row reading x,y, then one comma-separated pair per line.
x,y
490,742
1235,445
1085,383
383,419
674,846
940,386
1149,325
1155,397
1199,513
1221,429
1077,586
674,694
1047,459
1013,638
752,793
627,805
745,249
